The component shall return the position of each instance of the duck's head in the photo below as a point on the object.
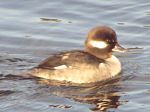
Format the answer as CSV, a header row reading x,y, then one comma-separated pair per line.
x,y
102,41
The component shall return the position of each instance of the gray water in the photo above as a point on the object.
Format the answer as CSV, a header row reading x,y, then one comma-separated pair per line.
x,y
31,30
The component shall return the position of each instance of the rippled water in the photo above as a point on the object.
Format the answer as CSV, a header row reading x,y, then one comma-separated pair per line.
x,y
31,30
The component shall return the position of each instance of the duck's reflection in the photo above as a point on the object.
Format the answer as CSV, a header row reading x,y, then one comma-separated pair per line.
x,y
102,96
101,102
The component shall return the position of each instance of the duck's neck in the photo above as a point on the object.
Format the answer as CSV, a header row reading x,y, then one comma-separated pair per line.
x,y
99,54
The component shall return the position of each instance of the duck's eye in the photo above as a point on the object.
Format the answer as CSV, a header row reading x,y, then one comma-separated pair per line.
x,y
99,44
111,42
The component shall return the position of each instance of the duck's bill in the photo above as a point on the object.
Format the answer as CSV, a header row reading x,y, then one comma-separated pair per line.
x,y
119,48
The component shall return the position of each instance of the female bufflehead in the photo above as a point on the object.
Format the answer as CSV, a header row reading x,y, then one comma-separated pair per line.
x,y
95,63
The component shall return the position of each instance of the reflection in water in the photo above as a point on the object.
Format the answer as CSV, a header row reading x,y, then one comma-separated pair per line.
x,y
103,95
6,92
102,101
50,20
53,20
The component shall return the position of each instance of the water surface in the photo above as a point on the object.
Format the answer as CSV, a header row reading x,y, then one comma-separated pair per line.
x,y
31,30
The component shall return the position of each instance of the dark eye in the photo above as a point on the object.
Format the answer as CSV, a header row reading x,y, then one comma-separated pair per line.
x,y
111,43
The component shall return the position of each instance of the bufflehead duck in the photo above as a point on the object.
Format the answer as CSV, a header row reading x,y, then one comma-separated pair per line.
x,y
95,63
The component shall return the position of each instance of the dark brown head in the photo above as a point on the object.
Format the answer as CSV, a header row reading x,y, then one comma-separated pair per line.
x,y
101,41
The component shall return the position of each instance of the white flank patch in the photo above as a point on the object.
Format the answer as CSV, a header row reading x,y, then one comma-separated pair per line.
x,y
60,67
98,44
64,57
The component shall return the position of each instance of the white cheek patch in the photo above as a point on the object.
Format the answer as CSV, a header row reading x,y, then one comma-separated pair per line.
x,y
98,44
